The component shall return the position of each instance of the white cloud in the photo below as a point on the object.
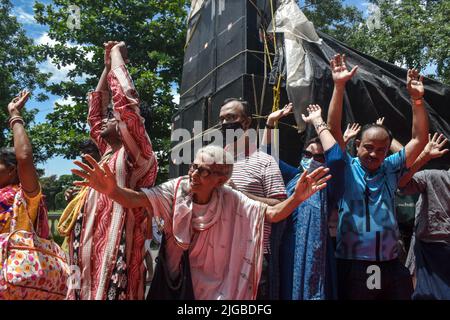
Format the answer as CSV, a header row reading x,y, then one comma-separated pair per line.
x,y
176,98
44,39
58,75
90,55
23,16
175,94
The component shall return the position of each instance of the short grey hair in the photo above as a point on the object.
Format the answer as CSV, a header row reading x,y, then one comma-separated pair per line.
x,y
217,155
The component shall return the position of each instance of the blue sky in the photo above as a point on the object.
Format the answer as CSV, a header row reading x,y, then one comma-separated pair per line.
x,y
23,10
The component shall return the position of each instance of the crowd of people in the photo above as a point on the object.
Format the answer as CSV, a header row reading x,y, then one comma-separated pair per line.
x,y
241,224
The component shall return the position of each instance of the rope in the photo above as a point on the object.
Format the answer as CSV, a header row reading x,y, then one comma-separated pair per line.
x,y
219,66
213,128
274,24
255,98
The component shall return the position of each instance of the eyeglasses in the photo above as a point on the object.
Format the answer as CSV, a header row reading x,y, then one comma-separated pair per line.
x,y
202,171
318,157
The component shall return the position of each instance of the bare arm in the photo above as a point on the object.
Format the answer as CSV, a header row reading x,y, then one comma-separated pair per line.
x,y
340,77
420,118
269,201
24,152
396,146
307,185
272,119
432,150
315,118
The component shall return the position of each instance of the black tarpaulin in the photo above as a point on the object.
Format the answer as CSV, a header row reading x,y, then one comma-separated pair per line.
x,y
377,90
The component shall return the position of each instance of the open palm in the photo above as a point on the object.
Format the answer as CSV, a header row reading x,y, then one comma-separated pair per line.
x,y
18,102
277,115
434,147
97,177
308,184
339,69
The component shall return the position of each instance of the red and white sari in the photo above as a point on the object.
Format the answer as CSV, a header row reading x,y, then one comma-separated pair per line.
x,y
107,242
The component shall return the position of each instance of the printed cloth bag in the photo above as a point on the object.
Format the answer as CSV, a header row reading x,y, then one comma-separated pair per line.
x,y
31,267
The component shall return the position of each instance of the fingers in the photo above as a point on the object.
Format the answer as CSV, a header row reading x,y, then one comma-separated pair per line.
x,y
303,177
442,143
318,173
83,166
353,71
92,162
435,137
332,64
324,179
81,183
409,78
81,174
380,121
107,170
305,118
313,108
319,187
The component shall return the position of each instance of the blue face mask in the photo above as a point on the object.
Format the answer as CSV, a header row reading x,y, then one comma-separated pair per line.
x,y
310,164
305,163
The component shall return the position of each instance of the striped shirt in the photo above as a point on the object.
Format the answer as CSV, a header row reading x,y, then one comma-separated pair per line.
x,y
259,175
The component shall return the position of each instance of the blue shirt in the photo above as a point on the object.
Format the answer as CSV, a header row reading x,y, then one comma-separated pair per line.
x,y
367,228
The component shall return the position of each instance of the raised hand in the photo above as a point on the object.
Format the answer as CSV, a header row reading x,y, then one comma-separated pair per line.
x,y
314,114
339,70
308,184
380,121
277,115
96,177
16,104
414,84
433,149
108,46
351,131
121,46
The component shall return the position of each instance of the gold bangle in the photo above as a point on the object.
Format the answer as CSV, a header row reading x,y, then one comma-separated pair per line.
x,y
15,119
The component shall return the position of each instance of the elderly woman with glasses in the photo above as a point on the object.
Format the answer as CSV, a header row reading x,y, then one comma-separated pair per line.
x,y
219,228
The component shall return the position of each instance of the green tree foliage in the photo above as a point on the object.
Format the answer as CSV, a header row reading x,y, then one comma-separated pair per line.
x,y
18,70
154,31
332,17
412,33
53,189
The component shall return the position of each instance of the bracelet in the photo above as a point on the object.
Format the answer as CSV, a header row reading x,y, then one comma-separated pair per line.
x,y
417,102
320,125
268,126
15,119
322,131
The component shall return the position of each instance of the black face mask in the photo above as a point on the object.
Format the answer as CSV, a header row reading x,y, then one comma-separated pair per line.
x,y
230,126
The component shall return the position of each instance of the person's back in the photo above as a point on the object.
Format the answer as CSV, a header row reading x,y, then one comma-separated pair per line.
x,y
432,233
